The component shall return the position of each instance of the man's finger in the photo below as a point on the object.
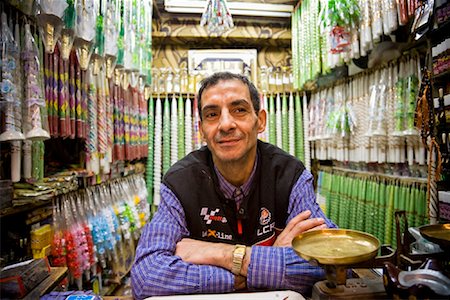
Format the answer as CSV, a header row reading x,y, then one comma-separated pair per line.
x,y
323,226
298,218
306,225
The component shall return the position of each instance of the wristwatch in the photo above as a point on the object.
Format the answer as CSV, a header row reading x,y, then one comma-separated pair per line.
x,y
238,257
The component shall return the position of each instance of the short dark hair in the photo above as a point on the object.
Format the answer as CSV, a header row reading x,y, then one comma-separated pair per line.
x,y
216,77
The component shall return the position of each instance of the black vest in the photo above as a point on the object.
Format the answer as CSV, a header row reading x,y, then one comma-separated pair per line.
x,y
212,217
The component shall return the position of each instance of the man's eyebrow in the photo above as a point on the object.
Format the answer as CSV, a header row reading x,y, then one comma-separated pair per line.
x,y
209,106
239,102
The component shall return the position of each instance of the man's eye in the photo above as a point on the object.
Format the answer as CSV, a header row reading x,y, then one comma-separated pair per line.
x,y
240,110
210,115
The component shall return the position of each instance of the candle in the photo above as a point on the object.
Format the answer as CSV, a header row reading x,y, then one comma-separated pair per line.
x,y
166,136
157,148
291,125
173,131
188,127
181,144
278,122
151,148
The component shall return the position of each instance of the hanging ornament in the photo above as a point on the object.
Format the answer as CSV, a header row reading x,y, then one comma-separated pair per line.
x,y
85,32
217,16
8,84
67,33
50,22
33,93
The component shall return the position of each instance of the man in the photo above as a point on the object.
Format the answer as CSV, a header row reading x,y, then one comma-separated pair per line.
x,y
229,211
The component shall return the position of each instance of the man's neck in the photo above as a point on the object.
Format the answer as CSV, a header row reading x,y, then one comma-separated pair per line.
x,y
237,173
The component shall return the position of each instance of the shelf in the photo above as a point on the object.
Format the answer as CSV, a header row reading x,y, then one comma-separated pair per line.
x,y
441,77
57,274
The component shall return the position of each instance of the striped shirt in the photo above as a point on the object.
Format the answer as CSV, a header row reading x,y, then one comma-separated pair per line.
x,y
157,271
236,193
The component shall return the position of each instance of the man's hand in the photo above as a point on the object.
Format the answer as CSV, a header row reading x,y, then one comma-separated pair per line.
x,y
297,225
205,253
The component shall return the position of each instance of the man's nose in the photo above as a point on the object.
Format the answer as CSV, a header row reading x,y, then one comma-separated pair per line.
x,y
226,121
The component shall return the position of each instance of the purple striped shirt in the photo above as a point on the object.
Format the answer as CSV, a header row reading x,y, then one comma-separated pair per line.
x,y
236,193
157,271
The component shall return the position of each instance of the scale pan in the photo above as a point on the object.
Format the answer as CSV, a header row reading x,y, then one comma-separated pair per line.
x,y
437,233
336,246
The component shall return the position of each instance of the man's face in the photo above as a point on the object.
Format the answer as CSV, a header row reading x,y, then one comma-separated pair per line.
x,y
230,125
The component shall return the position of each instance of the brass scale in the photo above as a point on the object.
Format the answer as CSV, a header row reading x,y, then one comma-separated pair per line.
x,y
337,250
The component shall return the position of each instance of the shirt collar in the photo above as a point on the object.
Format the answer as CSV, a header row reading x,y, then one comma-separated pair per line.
x,y
228,189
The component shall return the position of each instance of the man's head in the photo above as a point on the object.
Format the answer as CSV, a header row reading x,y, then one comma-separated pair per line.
x,y
230,119
216,77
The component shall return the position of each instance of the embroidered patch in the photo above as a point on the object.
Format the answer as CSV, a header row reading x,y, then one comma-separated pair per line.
x,y
264,216
212,215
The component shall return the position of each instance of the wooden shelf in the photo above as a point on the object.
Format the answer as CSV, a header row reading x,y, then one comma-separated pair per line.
x,y
57,274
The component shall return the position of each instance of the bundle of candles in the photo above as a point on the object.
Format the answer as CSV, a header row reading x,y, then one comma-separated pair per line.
x,y
367,202
97,225
69,93
326,34
175,125
370,119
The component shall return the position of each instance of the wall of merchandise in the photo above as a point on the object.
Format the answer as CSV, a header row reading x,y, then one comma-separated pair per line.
x,y
379,124
75,78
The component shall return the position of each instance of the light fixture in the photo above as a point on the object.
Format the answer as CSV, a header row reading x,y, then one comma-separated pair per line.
x,y
236,8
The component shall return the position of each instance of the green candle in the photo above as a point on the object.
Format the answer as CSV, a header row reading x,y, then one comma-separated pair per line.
x,y
284,123
272,130
166,137
181,145
150,162
299,146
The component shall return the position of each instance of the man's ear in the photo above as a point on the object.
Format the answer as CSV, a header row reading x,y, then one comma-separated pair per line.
x,y
262,118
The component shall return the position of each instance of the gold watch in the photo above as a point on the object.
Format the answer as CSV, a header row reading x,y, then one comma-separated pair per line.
x,y
238,257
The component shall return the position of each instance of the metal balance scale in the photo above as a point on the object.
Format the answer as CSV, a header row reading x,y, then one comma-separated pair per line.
x,y
336,251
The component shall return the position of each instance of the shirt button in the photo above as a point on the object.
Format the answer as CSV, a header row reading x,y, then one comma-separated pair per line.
x,y
241,211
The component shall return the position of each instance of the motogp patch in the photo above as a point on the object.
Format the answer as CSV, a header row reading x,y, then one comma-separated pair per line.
x,y
212,215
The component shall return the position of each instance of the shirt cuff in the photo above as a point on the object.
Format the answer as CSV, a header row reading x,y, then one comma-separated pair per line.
x,y
266,269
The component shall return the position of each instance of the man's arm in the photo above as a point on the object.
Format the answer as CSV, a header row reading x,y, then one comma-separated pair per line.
x,y
277,267
281,267
158,271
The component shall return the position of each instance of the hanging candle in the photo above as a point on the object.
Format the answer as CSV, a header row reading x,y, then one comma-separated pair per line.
x,y
278,123
197,141
67,33
102,126
92,138
181,144
8,85
50,22
265,103
157,148
299,144
173,131
63,95
85,31
291,125
166,136
188,127
151,148
111,36
285,123
307,159
33,94
272,121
